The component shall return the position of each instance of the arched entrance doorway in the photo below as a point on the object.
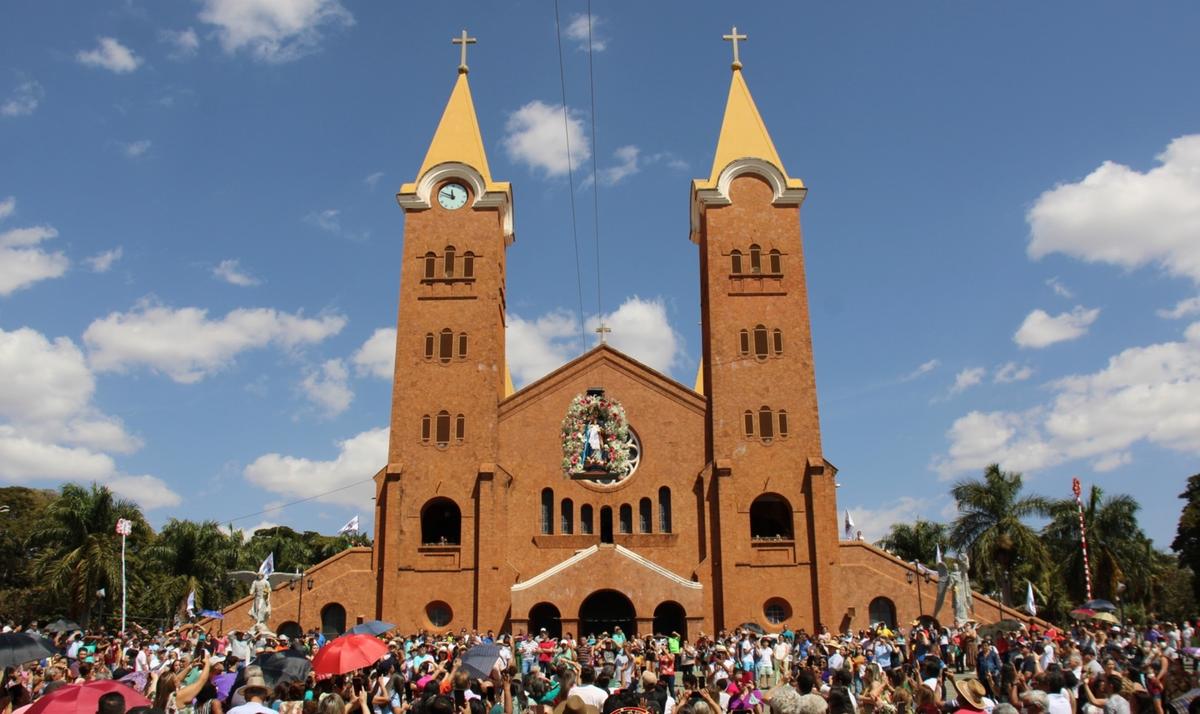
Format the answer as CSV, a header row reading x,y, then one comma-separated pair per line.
x,y
605,609
545,615
669,617
882,610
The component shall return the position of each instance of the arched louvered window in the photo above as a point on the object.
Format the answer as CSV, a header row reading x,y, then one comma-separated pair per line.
x,y
426,428
783,425
448,270
446,346
460,428
645,516
429,345
760,342
468,264
585,519
748,423
774,262
547,511
430,264
766,424
442,437
735,262
462,345
664,510
626,518
755,259
777,341
744,342
567,520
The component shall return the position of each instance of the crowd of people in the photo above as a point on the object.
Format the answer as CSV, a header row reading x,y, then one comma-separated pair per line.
x,y
923,669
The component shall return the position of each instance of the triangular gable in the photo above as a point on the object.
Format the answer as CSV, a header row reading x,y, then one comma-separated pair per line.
x,y
603,353
619,550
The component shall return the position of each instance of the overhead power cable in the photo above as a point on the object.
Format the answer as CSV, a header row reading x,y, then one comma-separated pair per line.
x,y
562,79
595,158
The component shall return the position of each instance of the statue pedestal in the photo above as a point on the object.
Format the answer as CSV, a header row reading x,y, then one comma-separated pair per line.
x,y
591,474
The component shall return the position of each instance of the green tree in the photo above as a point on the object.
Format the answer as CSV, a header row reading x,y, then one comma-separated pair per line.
x,y
1187,533
917,541
22,597
991,527
79,549
292,554
189,556
1116,544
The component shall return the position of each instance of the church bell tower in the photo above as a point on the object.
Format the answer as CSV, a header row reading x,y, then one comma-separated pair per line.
x,y
773,502
450,374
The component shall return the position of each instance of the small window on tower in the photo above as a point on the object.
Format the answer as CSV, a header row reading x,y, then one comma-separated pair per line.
x,y
425,428
766,424
430,264
449,262
760,342
744,342
748,423
585,519
783,425
777,340
429,345
626,518
460,428
462,345
775,260
443,428
468,264
735,262
446,346
755,259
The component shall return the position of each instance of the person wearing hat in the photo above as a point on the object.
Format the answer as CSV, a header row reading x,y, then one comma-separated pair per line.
x,y
255,692
575,704
970,696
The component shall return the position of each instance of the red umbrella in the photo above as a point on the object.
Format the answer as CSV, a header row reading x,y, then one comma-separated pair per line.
x,y
85,698
348,653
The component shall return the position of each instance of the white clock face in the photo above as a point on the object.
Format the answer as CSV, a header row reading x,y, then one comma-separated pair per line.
x,y
452,196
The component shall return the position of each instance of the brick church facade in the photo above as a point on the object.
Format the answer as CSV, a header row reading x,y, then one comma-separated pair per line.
x,y
729,514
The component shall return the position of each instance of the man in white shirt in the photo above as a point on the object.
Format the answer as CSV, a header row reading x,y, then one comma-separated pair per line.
x,y
837,659
587,689
255,692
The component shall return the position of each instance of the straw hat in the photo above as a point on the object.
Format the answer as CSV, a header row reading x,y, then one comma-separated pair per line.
x,y
574,704
255,686
971,692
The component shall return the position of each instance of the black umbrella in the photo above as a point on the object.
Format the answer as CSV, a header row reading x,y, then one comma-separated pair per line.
x,y
480,660
374,627
61,625
1099,606
17,648
289,665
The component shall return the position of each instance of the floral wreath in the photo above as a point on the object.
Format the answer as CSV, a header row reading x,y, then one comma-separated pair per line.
x,y
609,415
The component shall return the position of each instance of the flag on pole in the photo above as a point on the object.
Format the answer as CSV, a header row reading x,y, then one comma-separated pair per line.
x,y
939,553
849,526
268,565
1030,605
191,604
350,527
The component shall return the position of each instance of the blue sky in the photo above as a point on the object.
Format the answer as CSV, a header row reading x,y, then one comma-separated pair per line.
x,y
199,241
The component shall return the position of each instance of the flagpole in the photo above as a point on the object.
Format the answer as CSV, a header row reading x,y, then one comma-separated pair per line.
x,y
124,528
1087,571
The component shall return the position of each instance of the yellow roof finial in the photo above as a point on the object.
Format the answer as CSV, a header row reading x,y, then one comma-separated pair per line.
x,y
733,37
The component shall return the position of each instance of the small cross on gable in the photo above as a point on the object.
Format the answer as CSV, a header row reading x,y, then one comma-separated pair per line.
x,y
602,330
733,37
463,41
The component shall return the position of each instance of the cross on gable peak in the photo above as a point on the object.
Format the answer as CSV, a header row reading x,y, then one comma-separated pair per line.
x,y
733,37
463,40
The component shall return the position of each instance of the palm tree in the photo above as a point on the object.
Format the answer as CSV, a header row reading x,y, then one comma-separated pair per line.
x,y
991,526
918,541
188,556
1116,544
291,552
80,551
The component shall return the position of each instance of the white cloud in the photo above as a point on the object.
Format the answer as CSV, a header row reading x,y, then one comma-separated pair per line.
x,y
1012,372
922,369
274,30
328,388
535,136
103,262
330,221
1125,217
49,427
231,272
626,166
135,149
22,263
1149,393
111,55
149,492
1059,289
967,378
24,100
377,356
577,30
7,207
1183,308
184,43
358,458
372,180
187,346
876,522
640,329
1113,461
1041,330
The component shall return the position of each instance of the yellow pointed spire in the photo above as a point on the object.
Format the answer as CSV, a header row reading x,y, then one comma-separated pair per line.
x,y
458,137
743,134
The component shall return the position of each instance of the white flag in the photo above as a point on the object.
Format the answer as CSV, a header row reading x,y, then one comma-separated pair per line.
x,y
939,553
268,565
191,604
849,526
1030,605
350,527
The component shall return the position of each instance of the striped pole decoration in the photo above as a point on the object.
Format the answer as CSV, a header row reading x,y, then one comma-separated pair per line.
x,y
1087,570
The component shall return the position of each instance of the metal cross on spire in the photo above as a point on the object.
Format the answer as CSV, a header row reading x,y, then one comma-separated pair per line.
x,y
463,40
734,37
602,330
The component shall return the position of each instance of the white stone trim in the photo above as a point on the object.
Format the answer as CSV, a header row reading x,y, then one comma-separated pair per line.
x,y
719,196
421,199
620,550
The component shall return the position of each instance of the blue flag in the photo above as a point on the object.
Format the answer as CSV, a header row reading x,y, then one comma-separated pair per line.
x,y
268,565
